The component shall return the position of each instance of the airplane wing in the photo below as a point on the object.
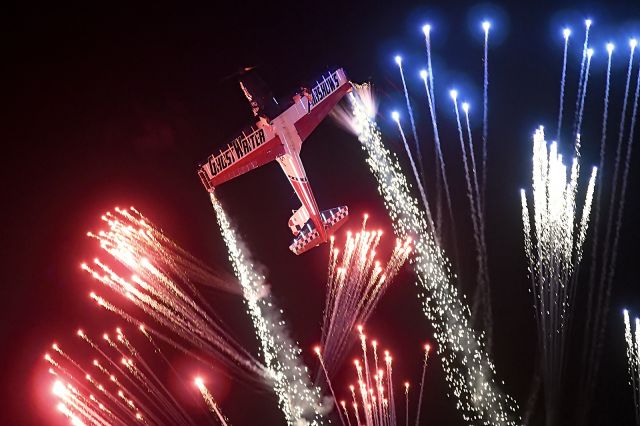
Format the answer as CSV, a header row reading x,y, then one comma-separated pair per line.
x,y
324,96
243,154
249,151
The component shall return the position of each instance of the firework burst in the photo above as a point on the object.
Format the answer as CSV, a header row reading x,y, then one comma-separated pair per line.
x,y
554,250
118,387
373,400
469,372
355,283
162,286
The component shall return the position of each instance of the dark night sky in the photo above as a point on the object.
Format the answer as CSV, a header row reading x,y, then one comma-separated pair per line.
x,y
113,105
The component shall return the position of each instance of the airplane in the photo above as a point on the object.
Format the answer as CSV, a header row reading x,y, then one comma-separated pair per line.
x,y
281,139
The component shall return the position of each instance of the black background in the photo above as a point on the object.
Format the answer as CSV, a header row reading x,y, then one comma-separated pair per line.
x,y
109,105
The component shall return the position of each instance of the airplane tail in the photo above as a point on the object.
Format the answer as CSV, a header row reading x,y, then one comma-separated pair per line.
x,y
309,237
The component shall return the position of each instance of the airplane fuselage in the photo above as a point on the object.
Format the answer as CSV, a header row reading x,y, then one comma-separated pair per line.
x,y
281,140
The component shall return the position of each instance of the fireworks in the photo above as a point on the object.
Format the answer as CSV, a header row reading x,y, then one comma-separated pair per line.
x,y
208,398
469,372
299,401
355,283
117,387
162,287
154,284
477,219
633,359
420,177
373,400
600,292
554,251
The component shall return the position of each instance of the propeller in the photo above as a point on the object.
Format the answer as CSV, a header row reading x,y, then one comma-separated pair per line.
x,y
237,73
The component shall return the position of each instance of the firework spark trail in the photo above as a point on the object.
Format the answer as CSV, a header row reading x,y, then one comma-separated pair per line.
x,y
326,376
149,371
162,287
68,397
138,398
600,320
566,33
413,123
141,384
356,282
406,403
124,407
427,77
469,372
299,401
598,197
616,238
581,79
485,111
554,255
377,396
136,386
424,370
582,99
211,403
482,293
388,362
633,360
481,288
423,195
439,166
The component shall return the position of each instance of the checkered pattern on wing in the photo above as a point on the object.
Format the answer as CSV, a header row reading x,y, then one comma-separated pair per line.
x,y
303,240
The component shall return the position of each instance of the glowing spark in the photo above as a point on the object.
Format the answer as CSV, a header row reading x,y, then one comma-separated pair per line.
x,y
208,399
554,252
355,284
468,370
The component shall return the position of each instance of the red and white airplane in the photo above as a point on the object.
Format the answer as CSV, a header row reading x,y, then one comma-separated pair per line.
x,y
281,139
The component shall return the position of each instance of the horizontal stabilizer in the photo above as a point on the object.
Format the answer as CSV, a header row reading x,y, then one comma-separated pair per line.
x,y
309,237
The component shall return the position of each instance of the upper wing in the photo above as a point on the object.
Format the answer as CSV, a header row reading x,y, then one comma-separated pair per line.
x,y
244,153
324,96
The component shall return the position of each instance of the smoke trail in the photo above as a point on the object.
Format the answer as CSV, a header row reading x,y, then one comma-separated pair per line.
x,y
469,372
566,33
299,401
413,123
595,352
596,224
